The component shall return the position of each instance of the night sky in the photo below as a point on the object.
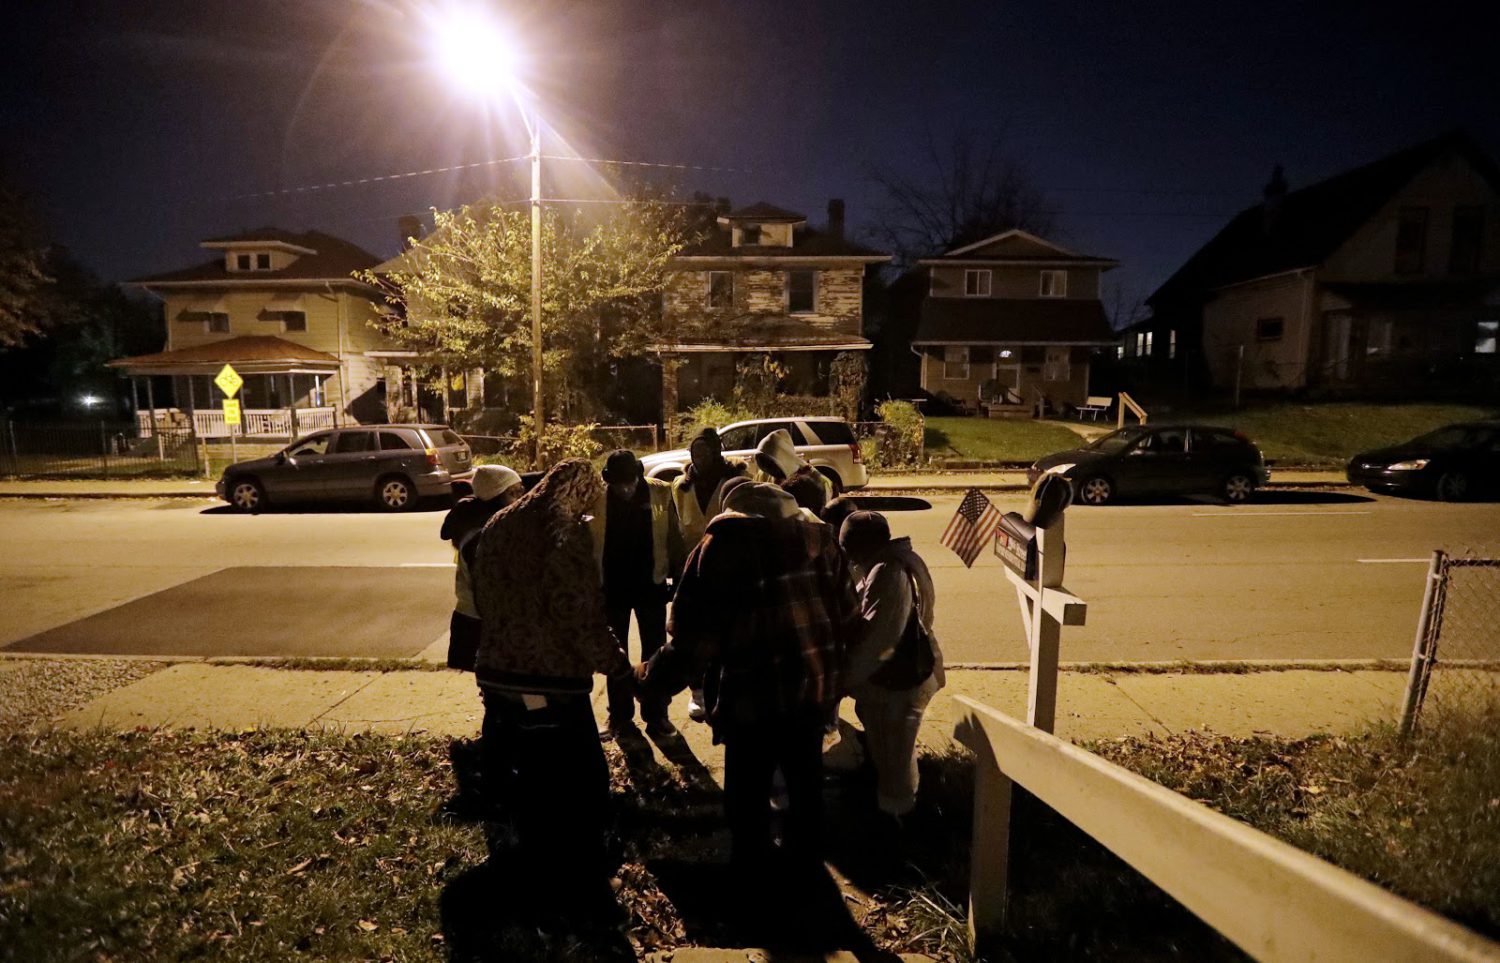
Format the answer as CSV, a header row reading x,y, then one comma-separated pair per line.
x,y
136,127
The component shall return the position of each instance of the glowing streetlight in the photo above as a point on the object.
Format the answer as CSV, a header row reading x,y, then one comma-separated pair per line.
x,y
480,59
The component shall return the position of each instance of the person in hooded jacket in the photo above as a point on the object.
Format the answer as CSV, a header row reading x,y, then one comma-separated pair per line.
x,y
543,635
765,611
777,461
892,580
495,487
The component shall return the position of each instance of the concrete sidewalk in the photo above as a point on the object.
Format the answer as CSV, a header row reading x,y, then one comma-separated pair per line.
x,y
991,480
1091,705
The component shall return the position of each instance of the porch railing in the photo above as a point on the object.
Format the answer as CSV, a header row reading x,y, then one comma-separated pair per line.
x,y
254,422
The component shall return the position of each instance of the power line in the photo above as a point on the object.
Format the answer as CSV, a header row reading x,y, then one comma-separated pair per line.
x,y
356,182
627,163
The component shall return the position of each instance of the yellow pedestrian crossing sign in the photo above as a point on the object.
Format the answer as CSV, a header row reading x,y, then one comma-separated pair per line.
x,y
229,382
231,411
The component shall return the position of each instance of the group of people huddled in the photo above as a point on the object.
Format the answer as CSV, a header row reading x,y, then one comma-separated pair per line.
x,y
784,601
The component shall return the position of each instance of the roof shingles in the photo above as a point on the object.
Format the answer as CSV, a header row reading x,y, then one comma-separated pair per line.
x,y
335,260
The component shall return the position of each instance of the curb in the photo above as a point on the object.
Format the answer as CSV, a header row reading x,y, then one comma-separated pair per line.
x,y
103,496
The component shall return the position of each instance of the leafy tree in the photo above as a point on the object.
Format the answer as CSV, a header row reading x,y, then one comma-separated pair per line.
x,y
968,187
24,279
462,294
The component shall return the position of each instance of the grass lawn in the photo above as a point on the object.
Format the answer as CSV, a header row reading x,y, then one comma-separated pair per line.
x,y
1020,441
1332,432
1421,820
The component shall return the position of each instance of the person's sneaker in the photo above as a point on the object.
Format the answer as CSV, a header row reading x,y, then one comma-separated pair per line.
x,y
696,710
615,728
660,728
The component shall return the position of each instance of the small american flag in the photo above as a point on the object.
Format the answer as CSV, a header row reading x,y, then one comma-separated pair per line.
x,y
972,525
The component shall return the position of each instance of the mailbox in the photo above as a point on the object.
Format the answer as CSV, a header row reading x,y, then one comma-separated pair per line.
x,y
1015,545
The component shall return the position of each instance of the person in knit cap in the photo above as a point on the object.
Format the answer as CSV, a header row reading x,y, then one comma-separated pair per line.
x,y
638,547
495,487
895,590
698,495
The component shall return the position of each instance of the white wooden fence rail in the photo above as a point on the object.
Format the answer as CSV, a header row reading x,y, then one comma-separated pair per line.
x,y
1273,900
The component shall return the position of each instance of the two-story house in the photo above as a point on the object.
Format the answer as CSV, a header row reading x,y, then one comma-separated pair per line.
x,y
763,282
1383,279
1011,322
285,311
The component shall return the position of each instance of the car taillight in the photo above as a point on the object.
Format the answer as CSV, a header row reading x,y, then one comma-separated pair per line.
x,y
432,457
854,452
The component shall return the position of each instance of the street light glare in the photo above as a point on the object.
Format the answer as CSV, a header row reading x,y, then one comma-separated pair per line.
x,y
474,51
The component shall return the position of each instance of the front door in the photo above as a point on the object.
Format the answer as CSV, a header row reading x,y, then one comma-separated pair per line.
x,y
1338,331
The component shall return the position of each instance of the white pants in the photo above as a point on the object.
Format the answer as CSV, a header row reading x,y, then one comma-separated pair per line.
x,y
891,719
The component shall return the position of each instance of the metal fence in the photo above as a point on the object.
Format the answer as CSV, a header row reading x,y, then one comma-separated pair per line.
x,y
1455,665
642,439
95,450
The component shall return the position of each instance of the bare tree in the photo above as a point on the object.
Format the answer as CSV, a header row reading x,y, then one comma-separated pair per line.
x,y
1124,305
967,188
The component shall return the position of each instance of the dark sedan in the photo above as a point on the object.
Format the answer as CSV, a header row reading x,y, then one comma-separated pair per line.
x,y
392,465
1451,464
1160,460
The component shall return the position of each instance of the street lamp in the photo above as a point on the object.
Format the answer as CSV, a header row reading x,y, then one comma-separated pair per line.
x,y
481,60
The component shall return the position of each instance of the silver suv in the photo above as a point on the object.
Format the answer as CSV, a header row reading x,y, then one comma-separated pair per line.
x,y
392,465
828,444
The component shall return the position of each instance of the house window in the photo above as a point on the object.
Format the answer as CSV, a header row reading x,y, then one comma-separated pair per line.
x,y
294,321
1120,351
977,284
218,323
1140,344
1172,343
1269,329
1146,345
1487,333
956,362
242,262
1058,366
1411,239
750,234
720,289
1054,284
1378,339
262,262
801,291
1468,240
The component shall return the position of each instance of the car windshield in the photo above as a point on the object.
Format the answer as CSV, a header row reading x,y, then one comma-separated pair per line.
x,y
1452,436
1116,441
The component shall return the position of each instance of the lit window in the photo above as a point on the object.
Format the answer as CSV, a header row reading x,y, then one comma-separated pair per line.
x,y
1119,350
1140,344
1054,284
977,284
720,289
956,362
1172,343
1487,335
1146,345
802,291
1269,329
262,262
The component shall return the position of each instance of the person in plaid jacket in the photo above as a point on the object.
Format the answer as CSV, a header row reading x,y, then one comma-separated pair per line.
x,y
765,611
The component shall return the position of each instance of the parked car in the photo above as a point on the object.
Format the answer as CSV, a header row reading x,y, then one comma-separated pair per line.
x,y
828,444
392,465
1450,464
1160,460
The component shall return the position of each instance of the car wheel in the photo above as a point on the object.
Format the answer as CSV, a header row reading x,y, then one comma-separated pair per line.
x,y
246,495
833,478
1238,488
395,494
1452,486
1097,490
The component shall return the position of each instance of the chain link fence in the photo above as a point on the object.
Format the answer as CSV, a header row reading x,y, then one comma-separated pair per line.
x,y
95,450
1456,658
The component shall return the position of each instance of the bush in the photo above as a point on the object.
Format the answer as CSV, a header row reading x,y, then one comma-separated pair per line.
x,y
708,413
559,443
898,437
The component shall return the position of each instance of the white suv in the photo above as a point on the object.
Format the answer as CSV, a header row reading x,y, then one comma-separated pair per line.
x,y
828,444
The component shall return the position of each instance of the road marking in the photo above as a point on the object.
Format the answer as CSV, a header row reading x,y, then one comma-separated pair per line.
x,y
1393,561
427,564
1265,514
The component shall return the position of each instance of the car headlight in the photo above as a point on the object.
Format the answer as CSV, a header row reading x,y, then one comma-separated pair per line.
x,y
1060,469
1415,464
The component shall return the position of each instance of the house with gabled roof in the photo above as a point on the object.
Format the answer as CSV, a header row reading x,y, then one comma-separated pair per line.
x,y
762,281
1011,323
1383,279
285,310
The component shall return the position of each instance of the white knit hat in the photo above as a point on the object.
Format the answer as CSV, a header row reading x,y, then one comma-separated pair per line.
x,y
490,481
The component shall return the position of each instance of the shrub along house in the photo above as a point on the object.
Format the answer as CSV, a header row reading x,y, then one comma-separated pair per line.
x,y
284,311
762,282
1010,324
1382,280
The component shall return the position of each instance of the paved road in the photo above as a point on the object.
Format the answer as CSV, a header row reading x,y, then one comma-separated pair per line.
x,y
1306,575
